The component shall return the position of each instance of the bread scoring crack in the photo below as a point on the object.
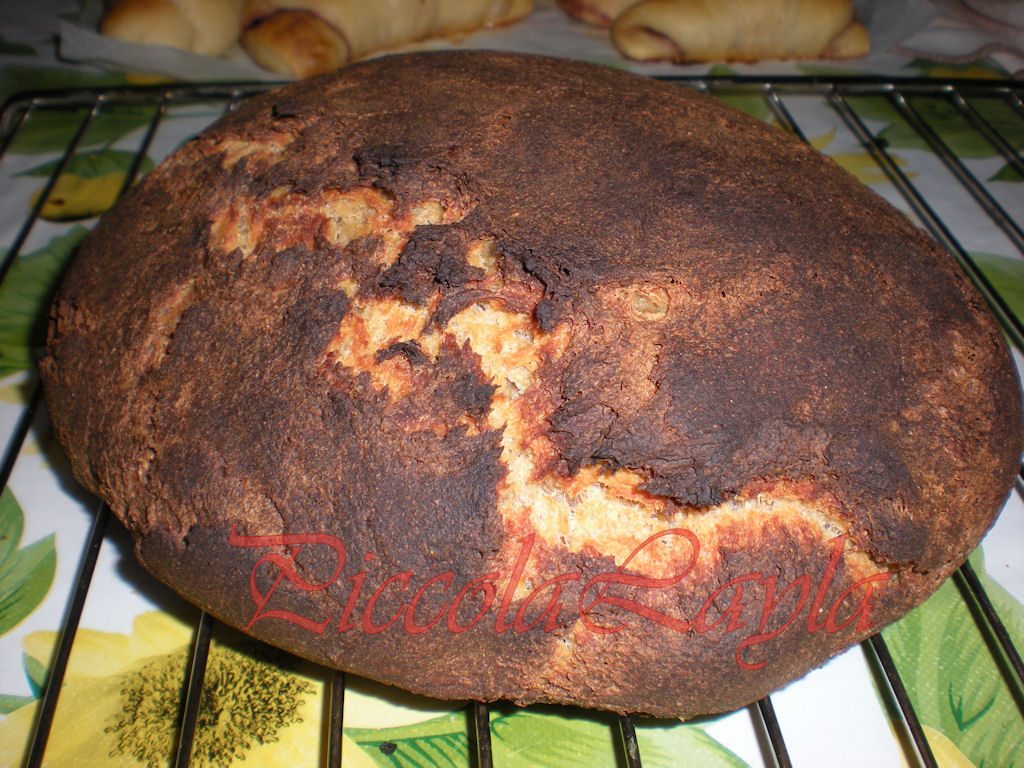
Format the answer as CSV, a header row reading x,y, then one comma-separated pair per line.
x,y
164,319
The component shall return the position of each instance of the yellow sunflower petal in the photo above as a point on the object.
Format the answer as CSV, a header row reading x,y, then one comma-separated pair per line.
x,y
158,632
120,701
15,732
78,736
946,753
97,654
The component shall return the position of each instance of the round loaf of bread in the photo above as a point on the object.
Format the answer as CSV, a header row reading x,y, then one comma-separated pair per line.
x,y
503,377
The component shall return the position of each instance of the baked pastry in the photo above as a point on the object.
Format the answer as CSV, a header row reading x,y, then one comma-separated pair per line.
x,y
735,30
207,27
307,37
740,30
536,380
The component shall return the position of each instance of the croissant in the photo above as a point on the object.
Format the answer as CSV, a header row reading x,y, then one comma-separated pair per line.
x,y
740,30
306,37
208,27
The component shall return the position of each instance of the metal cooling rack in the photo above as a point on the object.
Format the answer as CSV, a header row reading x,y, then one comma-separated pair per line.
x,y
840,94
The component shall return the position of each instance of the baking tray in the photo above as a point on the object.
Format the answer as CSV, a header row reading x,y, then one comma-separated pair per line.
x,y
946,152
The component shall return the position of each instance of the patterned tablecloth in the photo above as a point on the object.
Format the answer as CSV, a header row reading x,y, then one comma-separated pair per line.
x,y
124,680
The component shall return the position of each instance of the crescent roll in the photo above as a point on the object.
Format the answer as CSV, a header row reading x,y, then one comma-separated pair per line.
x,y
740,30
307,37
207,27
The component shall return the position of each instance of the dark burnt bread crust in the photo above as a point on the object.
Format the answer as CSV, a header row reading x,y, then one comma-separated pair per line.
x,y
746,321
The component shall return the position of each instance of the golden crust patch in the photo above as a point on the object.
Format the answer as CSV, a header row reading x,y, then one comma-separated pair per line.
x,y
354,214
284,219
268,149
505,341
374,325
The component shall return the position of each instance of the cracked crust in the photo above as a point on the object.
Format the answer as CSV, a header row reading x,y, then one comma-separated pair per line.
x,y
668,404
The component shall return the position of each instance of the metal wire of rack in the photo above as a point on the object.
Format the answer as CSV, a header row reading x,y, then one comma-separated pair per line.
x,y
963,96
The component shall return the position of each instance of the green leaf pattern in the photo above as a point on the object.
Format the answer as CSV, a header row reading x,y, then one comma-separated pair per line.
x,y
24,297
25,574
965,141
541,737
947,666
53,131
1006,275
440,742
10,703
93,165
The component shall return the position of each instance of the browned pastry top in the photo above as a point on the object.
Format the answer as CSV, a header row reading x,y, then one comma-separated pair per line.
x,y
435,304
